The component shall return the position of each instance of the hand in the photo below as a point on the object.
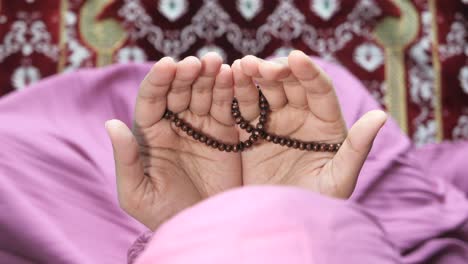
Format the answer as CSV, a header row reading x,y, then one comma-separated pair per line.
x,y
160,170
303,106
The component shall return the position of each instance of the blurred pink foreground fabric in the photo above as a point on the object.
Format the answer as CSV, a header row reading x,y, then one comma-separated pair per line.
x,y
58,200
273,225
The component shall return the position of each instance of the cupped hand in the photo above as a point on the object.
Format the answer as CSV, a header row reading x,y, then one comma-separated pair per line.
x,y
303,106
160,170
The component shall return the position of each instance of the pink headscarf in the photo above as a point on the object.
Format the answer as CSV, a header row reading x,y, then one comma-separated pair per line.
x,y
274,225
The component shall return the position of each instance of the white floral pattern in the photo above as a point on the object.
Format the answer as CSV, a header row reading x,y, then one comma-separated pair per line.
x,y
456,40
173,9
325,9
25,75
78,53
425,133
463,77
211,21
369,56
27,35
461,130
249,8
131,54
421,83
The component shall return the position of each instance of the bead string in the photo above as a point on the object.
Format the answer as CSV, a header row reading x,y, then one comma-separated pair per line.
x,y
256,132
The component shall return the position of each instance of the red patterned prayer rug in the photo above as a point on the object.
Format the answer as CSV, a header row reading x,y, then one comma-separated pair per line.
x,y
411,55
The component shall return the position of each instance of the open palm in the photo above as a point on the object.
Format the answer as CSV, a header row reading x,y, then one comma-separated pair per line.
x,y
303,106
160,169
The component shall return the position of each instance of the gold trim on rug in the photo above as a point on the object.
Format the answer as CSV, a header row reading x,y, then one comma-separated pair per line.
x,y
62,36
437,73
395,34
104,37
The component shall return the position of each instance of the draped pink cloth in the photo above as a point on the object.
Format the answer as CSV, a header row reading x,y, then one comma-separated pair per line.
x,y
58,200
273,225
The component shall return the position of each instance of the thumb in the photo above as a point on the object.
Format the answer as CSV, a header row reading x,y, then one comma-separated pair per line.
x,y
128,165
350,158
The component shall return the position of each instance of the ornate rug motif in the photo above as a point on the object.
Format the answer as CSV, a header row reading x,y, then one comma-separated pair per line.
x,y
415,65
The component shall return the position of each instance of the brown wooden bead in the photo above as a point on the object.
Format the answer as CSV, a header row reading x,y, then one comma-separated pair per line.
x,y
235,148
221,147
282,141
302,145
323,147
316,147
168,114
241,146
257,132
190,132
295,144
228,148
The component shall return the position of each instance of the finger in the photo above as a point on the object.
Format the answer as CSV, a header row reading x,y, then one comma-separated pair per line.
x,y
223,94
151,100
349,160
271,88
249,65
276,69
200,102
295,93
128,165
178,98
245,92
270,83
321,97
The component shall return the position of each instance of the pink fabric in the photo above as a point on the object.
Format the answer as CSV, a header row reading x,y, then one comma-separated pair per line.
x,y
57,182
273,225
57,185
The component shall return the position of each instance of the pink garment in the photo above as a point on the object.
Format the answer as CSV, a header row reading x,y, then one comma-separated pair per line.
x,y
57,183
273,225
